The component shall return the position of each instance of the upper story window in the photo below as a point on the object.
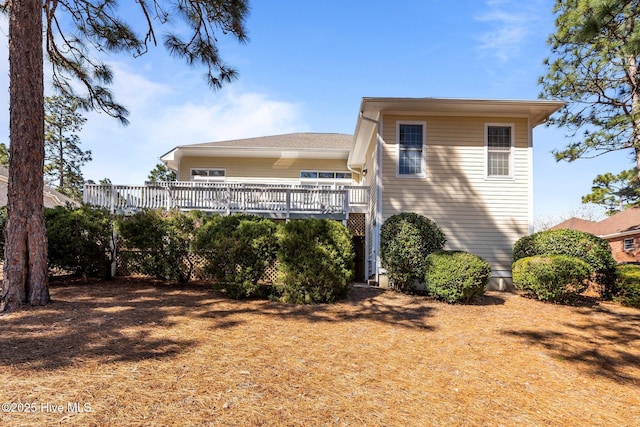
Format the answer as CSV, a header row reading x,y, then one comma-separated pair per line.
x,y
411,141
629,245
208,174
499,143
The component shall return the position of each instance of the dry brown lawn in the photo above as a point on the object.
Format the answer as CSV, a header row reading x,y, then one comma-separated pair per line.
x,y
137,353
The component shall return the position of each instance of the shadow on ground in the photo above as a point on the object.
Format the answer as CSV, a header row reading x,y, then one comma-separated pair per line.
x,y
361,303
86,321
134,319
601,341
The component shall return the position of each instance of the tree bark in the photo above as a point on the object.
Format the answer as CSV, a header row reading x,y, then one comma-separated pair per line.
x,y
25,265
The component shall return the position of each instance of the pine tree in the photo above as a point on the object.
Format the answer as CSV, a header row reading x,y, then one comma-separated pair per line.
x,y
63,155
73,29
594,65
615,192
162,173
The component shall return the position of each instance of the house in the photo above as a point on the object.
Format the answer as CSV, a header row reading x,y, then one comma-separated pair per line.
x,y
621,230
465,163
51,197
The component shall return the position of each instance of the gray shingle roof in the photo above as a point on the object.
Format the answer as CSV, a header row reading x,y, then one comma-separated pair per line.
x,y
337,141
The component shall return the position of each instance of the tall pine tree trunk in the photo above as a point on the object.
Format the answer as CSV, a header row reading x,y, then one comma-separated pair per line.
x,y
25,265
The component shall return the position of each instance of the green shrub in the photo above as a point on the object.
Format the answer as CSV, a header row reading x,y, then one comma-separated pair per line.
x,y
315,261
80,240
157,243
628,285
594,250
551,277
406,240
237,250
455,275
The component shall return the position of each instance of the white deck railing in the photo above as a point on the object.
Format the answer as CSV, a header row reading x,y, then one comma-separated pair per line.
x,y
282,200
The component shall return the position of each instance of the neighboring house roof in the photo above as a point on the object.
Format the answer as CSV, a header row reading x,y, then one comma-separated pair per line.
x,y
301,145
537,112
622,223
625,222
578,224
51,199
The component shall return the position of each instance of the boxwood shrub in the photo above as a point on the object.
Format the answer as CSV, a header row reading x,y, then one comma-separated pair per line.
x,y
455,275
594,250
406,240
628,285
315,261
554,278
237,249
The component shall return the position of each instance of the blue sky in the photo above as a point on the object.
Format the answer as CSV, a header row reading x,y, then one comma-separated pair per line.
x,y
308,64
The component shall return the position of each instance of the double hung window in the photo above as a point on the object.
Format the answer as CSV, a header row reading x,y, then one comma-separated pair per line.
x,y
411,149
499,142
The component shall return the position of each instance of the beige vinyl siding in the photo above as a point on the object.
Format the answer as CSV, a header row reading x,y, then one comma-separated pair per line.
x,y
372,212
237,167
481,215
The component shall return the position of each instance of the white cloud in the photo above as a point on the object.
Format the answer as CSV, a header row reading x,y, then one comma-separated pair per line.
x,y
233,115
164,115
509,23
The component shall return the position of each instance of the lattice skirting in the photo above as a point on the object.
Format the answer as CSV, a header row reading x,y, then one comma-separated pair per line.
x,y
128,261
128,265
357,224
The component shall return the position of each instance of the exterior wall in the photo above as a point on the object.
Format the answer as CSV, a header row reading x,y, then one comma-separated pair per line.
x,y
617,248
481,215
257,168
372,212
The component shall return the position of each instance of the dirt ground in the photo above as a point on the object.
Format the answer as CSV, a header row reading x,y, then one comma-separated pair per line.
x,y
132,352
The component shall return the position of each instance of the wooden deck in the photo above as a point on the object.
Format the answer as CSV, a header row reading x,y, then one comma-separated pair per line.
x,y
275,201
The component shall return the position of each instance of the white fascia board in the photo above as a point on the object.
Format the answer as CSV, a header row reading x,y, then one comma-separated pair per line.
x,y
619,234
366,129
537,111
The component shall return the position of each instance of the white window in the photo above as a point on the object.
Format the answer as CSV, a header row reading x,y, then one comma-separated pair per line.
x,y
411,143
499,143
629,245
325,177
207,174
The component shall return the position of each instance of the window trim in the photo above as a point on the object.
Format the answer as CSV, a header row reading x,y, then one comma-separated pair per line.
x,y
511,174
318,180
423,160
207,178
632,247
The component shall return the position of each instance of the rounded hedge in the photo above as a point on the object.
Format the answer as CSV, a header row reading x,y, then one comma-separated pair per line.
x,y
237,250
455,275
594,250
315,261
80,240
406,240
156,243
628,285
551,277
